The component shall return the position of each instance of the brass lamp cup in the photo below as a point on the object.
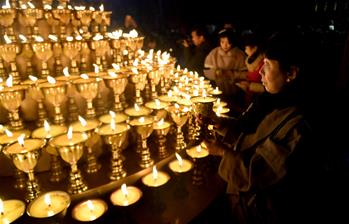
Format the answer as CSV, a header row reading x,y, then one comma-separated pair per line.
x,y
29,17
115,138
85,17
72,49
154,76
105,22
11,98
179,117
139,42
9,52
117,85
115,44
64,16
139,80
43,50
88,89
55,94
26,160
144,129
71,154
161,135
7,17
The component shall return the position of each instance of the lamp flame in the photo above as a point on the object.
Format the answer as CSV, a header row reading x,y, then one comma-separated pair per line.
x,y
96,68
66,72
20,140
101,7
53,37
124,190
47,200
31,5
51,80
134,70
169,94
1,208
9,81
180,160
38,39
8,133
7,39
141,120
90,205
70,133
82,121
112,114
84,76
7,5
23,38
47,126
92,8
69,38
161,122
112,74
33,78
155,173
137,107
112,124
198,148
157,102
116,66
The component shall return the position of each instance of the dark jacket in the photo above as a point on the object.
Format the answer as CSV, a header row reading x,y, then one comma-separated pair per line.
x,y
194,58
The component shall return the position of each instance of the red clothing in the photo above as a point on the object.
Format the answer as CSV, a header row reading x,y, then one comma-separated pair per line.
x,y
254,76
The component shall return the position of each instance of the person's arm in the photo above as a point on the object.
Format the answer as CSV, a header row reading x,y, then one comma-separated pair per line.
x,y
210,68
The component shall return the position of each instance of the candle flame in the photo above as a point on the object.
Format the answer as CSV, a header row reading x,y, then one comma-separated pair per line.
x,y
219,109
70,133
137,107
84,76
216,90
53,37
101,7
218,101
169,94
20,140
78,37
7,39
9,81
47,126
47,7
69,38
157,102
124,190
112,114
134,70
116,66
8,133
141,119
33,78
23,38
90,205
180,160
133,33
82,121
185,109
198,148
96,68
51,80
135,63
47,200
84,136
7,5
161,122
176,106
38,39
178,67
92,8
195,92
31,5
66,72
112,124
112,74
125,52
155,173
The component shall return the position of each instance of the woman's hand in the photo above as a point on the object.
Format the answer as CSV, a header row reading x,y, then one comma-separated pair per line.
x,y
214,147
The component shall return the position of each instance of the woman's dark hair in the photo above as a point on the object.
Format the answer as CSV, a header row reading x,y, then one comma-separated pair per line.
x,y
230,34
287,48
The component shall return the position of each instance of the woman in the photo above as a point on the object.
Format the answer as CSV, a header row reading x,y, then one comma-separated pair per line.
x,y
266,160
225,64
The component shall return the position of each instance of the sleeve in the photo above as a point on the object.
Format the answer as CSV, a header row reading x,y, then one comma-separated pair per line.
x,y
210,67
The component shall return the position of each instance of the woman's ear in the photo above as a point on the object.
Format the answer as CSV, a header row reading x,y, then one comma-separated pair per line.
x,y
292,74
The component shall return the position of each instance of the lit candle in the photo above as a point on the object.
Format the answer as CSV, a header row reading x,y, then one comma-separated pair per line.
x,y
180,165
219,103
137,111
11,137
203,99
157,104
69,139
117,117
168,98
83,125
126,195
197,152
161,124
49,204
48,131
25,145
156,178
89,210
220,110
10,210
216,91
112,128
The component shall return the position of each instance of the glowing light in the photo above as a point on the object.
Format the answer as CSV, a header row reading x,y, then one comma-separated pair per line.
x,y
51,80
9,81
82,121
70,133
180,160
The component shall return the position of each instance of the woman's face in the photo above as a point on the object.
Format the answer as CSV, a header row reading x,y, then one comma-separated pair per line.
x,y
224,43
273,78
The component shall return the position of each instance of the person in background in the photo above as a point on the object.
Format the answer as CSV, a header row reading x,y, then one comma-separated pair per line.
x,y
254,62
225,65
195,53
270,160
131,24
